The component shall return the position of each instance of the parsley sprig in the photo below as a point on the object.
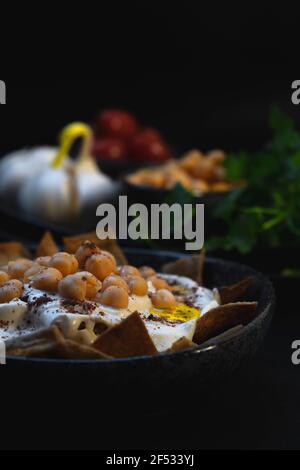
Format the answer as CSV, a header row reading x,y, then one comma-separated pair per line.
x,y
266,212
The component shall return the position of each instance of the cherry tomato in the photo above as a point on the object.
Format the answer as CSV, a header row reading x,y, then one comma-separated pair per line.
x,y
117,123
108,147
149,134
149,146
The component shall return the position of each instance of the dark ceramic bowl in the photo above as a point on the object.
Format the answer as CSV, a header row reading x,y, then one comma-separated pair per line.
x,y
142,378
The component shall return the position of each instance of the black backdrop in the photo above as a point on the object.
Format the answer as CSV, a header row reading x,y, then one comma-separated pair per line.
x,y
206,74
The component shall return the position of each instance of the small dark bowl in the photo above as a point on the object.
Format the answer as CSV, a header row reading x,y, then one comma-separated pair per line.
x,y
140,379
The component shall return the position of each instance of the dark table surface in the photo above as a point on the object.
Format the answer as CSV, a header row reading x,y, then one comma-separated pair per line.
x,y
257,408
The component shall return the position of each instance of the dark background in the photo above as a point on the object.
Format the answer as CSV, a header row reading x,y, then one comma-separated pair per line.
x,y
206,75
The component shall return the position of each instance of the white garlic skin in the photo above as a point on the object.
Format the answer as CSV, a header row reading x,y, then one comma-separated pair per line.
x,y
17,167
94,186
48,195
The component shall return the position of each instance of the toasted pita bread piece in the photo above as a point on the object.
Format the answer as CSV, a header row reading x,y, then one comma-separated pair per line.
x,y
10,251
44,342
70,349
234,292
182,344
221,318
129,338
50,342
47,246
72,243
226,335
189,266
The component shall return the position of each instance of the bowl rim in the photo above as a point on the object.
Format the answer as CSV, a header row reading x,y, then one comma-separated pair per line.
x,y
187,352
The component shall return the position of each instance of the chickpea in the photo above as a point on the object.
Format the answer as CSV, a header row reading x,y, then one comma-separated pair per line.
x,y
34,269
127,270
159,283
72,287
114,296
43,261
64,262
109,255
137,285
85,250
100,265
147,272
47,279
10,290
16,269
93,285
79,286
163,299
114,280
4,277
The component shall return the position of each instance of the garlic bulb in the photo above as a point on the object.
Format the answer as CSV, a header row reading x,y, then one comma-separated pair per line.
x,y
94,187
14,169
50,195
65,188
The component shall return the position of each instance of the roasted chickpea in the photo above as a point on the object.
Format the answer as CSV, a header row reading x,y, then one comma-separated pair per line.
x,y
159,283
114,296
43,261
109,255
64,262
85,250
147,272
163,299
128,270
4,277
34,269
47,279
114,280
16,269
79,286
10,290
72,287
93,285
100,265
137,285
